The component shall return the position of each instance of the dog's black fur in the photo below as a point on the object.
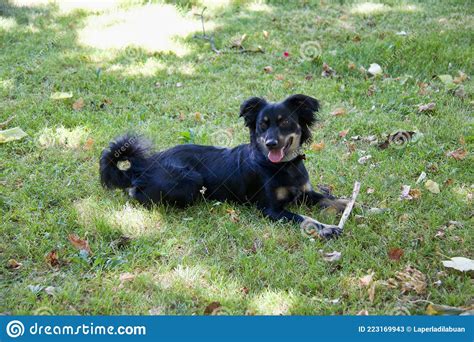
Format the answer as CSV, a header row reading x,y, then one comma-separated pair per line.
x,y
268,172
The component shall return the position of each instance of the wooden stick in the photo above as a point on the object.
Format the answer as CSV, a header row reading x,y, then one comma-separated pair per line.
x,y
350,205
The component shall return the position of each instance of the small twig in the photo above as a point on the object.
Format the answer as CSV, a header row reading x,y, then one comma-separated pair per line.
x,y
204,36
350,205
6,122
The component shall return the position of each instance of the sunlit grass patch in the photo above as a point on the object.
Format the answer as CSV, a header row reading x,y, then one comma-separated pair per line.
x,y
368,8
63,137
152,28
131,221
272,302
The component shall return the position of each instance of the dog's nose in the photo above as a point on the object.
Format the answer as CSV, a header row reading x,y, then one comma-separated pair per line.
x,y
271,142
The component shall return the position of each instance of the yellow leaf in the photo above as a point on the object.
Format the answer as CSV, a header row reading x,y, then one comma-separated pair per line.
x,y
318,146
339,111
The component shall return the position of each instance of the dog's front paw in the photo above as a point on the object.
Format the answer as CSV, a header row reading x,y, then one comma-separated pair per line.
x,y
312,228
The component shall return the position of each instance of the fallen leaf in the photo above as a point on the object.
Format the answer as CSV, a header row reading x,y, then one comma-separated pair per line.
x,y
237,42
436,309
308,77
460,263
366,280
265,34
279,77
60,96
234,216
327,71
351,66
124,277
52,258
343,133
332,257
461,78
460,92
179,85
339,111
400,138
364,159
411,279
157,311
79,104
245,290
13,264
405,195
12,134
88,144
371,90
458,154
363,313
426,107
197,116
395,254
80,244
370,190
375,69
318,146
268,69
432,186
212,308
415,193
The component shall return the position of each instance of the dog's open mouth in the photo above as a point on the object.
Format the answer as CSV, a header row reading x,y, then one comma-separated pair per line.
x,y
277,154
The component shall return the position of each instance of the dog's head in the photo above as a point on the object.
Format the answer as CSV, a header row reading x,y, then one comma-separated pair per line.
x,y
279,129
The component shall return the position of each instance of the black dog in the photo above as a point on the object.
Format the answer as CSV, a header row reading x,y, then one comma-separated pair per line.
x,y
268,172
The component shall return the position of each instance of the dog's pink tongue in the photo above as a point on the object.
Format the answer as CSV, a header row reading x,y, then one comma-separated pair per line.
x,y
276,156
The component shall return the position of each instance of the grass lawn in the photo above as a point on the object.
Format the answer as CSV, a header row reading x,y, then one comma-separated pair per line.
x,y
138,68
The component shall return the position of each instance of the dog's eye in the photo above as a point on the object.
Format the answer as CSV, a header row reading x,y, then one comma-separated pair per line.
x,y
263,125
285,123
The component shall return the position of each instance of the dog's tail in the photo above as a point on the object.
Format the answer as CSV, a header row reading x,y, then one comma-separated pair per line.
x,y
124,159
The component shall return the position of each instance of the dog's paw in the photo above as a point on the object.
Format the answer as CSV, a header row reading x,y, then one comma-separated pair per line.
x,y
336,205
315,229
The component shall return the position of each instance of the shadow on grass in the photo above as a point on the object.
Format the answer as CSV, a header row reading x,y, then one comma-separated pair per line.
x,y
187,258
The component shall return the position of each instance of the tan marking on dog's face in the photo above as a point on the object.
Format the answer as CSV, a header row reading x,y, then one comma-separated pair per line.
x,y
307,187
266,119
279,117
281,193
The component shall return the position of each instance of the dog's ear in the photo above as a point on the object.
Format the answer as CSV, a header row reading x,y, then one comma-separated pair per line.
x,y
305,107
250,109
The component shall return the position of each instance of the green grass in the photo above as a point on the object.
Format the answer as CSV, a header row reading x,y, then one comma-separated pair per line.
x,y
184,260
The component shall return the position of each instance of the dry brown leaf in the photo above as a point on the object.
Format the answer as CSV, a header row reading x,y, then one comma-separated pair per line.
x,y
318,146
212,308
79,104
327,71
13,264
234,216
343,133
432,186
268,69
415,193
461,78
411,279
88,144
79,243
395,254
279,77
366,280
351,66
363,313
197,116
458,154
339,111
52,258
124,277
